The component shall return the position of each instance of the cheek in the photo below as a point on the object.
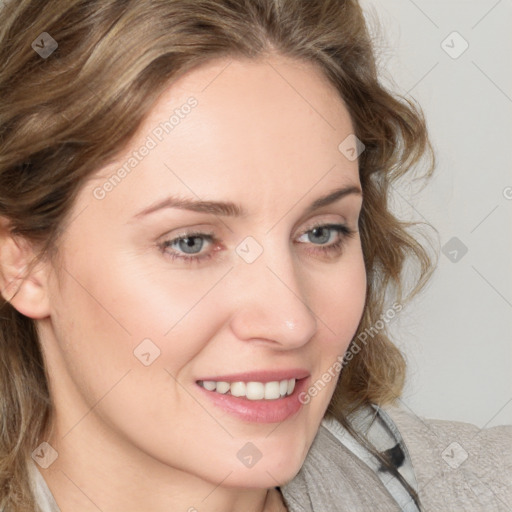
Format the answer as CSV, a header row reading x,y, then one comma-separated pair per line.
x,y
103,313
118,303
111,317
339,301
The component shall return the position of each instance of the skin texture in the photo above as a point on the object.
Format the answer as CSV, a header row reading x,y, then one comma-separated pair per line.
x,y
265,135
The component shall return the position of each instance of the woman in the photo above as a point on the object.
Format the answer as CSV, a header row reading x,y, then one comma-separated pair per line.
x,y
198,266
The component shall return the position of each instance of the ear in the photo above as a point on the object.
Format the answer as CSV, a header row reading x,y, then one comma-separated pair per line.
x,y
22,284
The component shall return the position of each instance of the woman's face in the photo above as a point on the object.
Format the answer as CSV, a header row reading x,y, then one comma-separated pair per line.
x,y
145,322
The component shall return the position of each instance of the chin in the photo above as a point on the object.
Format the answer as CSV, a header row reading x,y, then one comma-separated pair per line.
x,y
271,470
263,477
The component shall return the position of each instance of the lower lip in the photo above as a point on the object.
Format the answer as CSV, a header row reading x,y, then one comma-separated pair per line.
x,y
259,411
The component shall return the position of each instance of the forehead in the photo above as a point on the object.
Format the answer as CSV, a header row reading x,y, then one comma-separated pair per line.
x,y
261,129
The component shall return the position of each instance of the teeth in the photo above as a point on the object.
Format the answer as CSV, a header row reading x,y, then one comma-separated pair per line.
x,y
283,387
210,385
272,391
222,387
252,390
255,390
238,388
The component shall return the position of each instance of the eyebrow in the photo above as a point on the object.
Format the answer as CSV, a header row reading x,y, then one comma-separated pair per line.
x,y
229,209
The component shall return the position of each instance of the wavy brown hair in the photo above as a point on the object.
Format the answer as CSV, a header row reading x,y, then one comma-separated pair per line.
x,y
67,115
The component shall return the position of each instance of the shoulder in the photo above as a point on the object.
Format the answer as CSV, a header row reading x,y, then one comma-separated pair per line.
x,y
451,465
457,464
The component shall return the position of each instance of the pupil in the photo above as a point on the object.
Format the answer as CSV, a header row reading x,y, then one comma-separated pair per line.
x,y
318,231
189,243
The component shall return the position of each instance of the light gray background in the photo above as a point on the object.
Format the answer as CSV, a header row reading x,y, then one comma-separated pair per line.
x,y
457,336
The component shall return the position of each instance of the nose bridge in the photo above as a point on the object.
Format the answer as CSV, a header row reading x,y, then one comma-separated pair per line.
x,y
272,303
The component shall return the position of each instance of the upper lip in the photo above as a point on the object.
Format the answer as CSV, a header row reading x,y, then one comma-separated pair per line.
x,y
261,376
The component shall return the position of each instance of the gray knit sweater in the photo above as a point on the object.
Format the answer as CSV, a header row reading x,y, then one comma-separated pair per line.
x,y
457,467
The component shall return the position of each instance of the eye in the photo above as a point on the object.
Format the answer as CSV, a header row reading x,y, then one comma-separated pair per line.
x,y
188,246
321,234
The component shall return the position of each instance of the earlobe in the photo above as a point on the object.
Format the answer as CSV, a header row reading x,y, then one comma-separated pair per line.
x,y
22,284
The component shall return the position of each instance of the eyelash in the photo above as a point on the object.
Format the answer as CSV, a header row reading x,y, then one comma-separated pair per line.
x,y
336,248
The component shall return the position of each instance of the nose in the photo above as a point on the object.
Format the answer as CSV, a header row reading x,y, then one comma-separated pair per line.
x,y
271,304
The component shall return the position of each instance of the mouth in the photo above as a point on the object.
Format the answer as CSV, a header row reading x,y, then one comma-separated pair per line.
x,y
261,397
252,390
